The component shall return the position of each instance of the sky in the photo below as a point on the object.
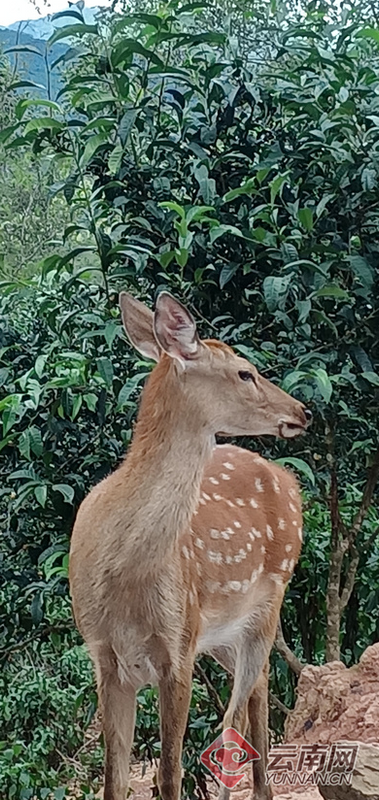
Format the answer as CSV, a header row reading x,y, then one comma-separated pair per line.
x,y
16,10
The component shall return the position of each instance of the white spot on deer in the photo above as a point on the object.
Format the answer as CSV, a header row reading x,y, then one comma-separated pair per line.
x,y
216,497
237,524
213,586
230,503
199,543
292,492
228,465
261,568
276,486
185,552
292,508
300,534
230,531
191,597
276,578
291,565
249,547
288,548
224,535
206,496
239,501
263,550
215,534
254,576
259,485
225,477
295,523
198,568
270,533
254,533
214,481
235,586
281,524
202,501
284,564
253,503
245,586
216,558
228,559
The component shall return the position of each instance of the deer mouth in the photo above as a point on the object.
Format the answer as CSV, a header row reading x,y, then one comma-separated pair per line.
x,y
288,430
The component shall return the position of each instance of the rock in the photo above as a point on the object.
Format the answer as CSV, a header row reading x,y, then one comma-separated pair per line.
x,y
337,704
365,778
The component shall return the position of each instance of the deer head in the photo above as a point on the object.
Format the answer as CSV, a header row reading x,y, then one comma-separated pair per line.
x,y
224,391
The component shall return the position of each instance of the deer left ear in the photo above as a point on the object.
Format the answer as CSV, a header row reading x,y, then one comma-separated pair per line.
x,y
175,329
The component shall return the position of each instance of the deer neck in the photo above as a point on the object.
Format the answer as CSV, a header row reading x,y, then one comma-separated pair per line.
x,y
165,466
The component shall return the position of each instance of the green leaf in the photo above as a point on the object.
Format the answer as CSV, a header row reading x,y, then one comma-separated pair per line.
x,y
299,464
126,124
371,377
66,491
92,145
368,33
78,29
115,158
41,494
173,207
105,369
331,290
246,188
275,289
305,218
324,384
362,270
276,185
227,273
128,388
207,186
42,123
221,230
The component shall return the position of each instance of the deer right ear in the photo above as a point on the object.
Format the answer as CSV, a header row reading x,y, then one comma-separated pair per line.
x,y
138,322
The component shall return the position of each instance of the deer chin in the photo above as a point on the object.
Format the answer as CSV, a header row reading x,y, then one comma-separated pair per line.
x,y
289,430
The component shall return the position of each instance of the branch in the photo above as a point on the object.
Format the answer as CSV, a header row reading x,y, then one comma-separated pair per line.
x,y
372,480
211,690
282,647
66,627
278,704
349,580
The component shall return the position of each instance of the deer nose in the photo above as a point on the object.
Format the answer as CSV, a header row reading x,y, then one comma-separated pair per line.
x,y
308,416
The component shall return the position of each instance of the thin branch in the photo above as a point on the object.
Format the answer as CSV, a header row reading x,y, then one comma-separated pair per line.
x,y
278,704
349,580
372,480
39,633
211,690
282,647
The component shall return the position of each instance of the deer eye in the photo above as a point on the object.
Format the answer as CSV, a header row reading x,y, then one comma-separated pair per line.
x,y
246,376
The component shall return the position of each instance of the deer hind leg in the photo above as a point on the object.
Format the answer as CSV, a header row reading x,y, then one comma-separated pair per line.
x,y
174,698
117,702
257,711
252,656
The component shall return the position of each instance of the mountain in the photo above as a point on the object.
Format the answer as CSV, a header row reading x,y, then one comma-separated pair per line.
x,y
30,37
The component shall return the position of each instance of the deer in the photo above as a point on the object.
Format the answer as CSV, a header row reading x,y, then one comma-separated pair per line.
x,y
188,546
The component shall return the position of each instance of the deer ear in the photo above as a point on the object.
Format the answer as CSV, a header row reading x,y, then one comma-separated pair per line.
x,y
175,328
138,322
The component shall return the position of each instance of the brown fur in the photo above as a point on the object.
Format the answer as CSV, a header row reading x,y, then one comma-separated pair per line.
x,y
185,548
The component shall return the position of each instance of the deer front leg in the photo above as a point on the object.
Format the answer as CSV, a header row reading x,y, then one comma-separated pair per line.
x,y
174,698
117,703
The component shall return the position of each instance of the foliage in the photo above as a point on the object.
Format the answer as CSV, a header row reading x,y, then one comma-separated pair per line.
x,y
249,189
